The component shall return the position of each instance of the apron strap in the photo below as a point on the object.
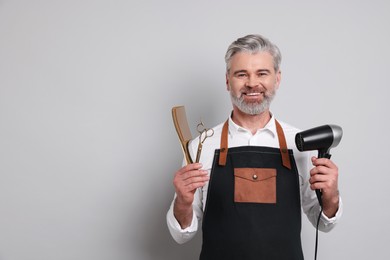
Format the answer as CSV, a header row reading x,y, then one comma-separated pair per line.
x,y
224,144
282,144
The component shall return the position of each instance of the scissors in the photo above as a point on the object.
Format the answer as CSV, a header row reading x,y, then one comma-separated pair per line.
x,y
203,134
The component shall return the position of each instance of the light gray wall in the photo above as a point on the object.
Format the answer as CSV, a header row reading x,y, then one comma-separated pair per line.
x,y
87,144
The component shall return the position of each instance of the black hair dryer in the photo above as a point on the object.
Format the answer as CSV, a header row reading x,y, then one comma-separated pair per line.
x,y
320,138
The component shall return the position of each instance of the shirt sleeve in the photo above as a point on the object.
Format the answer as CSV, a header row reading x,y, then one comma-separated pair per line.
x,y
326,224
180,235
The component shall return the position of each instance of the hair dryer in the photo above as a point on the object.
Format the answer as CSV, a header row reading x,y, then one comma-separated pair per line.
x,y
320,138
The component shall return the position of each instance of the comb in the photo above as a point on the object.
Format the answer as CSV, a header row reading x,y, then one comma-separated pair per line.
x,y
183,131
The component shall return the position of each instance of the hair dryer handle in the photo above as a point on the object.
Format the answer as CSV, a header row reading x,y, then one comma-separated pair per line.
x,y
321,154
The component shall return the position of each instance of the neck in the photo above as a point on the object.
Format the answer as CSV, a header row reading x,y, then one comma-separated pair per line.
x,y
251,122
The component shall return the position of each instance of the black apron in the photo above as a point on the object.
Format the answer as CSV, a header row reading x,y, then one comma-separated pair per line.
x,y
253,208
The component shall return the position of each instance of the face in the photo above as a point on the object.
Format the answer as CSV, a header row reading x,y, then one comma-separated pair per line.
x,y
252,82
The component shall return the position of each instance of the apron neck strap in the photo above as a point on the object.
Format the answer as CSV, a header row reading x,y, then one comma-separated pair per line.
x,y
282,144
224,144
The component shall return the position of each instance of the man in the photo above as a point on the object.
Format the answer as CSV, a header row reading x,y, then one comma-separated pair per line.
x,y
251,181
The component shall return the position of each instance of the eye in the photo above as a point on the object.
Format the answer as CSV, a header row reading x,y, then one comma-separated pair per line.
x,y
241,75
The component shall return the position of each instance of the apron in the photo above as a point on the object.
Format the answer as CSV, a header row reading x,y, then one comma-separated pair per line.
x,y
253,208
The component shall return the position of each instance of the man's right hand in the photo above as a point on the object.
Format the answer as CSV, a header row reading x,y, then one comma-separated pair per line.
x,y
186,181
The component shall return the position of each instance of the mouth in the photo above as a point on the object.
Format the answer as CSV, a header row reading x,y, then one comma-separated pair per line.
x,y
255,95
252,94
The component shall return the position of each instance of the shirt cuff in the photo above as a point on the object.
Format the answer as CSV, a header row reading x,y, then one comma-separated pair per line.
x,y
192,228
181,235
333,220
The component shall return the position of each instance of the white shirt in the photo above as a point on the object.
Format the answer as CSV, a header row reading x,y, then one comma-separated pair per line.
x,y
239,136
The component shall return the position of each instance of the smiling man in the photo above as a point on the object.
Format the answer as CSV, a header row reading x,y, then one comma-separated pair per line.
x,y
251,183
252,81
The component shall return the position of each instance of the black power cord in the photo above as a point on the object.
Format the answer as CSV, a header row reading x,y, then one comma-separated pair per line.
x,y
316,245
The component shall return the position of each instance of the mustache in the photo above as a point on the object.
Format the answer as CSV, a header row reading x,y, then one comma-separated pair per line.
x,y
252,90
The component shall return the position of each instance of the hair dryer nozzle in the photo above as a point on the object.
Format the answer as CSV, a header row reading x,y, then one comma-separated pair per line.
x,y
320,138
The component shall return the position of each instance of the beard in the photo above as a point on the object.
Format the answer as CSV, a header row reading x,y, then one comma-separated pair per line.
x,y
253,108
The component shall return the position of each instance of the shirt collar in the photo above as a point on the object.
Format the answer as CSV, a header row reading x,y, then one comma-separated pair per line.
x,y
269,127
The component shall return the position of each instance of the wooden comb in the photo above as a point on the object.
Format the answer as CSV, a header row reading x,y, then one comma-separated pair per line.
x,y
183,131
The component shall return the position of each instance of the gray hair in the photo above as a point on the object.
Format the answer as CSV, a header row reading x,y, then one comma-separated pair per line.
x,y
253,44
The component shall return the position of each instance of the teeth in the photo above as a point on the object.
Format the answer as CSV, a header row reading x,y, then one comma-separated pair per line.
x,y
252,94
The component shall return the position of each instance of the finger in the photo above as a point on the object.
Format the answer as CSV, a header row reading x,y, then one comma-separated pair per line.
x,y
190,167
323,161
322,185
316,186
322,170
182,180
324,182
192,174
318,178
191,187
195,185
195,179
318,182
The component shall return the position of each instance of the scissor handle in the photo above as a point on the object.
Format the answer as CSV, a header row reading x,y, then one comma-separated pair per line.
x,y
202,129
203,134
207,132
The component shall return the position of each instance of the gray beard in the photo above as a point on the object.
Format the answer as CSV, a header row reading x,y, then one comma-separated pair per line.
x,y
253,108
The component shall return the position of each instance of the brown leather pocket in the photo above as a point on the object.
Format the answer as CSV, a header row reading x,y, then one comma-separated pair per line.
x,y
256,185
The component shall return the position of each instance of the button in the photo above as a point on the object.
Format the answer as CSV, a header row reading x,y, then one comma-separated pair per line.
x,y
254,176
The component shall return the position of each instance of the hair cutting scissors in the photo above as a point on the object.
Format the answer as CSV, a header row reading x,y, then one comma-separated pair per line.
x,y
204,133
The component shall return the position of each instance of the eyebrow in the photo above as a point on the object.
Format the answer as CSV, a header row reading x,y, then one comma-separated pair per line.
x,y
245,71
239,71
264,70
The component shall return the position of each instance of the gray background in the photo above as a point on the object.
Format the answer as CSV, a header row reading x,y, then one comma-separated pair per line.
x,y
87,145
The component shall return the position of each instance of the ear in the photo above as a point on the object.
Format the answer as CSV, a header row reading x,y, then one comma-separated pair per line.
x,y
227,82
278,79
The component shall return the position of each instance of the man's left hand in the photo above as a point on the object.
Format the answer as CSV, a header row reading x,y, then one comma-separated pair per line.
x,y
324,177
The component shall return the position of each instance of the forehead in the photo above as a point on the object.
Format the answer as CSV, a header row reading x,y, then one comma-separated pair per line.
x,y
251,61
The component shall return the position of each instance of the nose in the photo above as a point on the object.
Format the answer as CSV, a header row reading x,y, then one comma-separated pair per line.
x,y
252,82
